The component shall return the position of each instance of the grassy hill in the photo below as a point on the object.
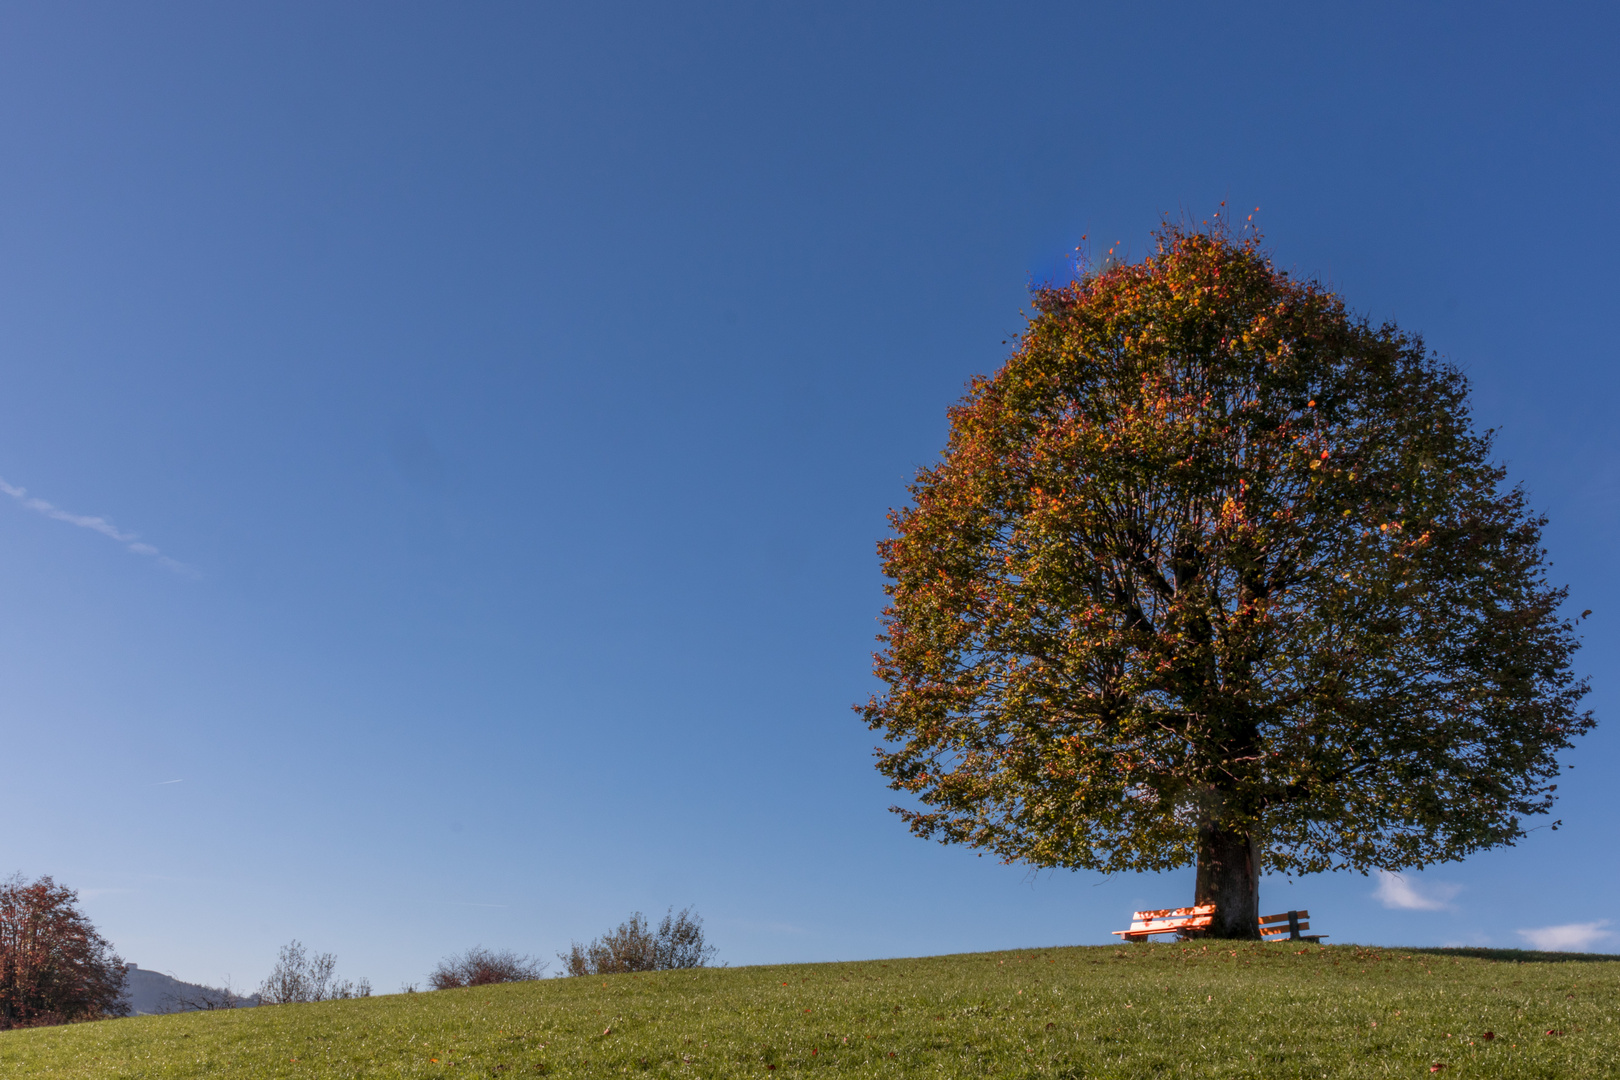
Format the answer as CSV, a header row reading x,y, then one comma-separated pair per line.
x,y
1133,1011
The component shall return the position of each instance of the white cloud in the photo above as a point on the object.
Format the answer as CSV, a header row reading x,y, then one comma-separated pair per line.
x,y
94,524
1394,891
1570,937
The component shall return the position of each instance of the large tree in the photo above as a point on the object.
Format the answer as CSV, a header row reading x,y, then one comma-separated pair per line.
x,y
1213,571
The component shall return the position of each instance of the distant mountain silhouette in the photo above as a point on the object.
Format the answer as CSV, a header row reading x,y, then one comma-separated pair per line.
x,y
151,992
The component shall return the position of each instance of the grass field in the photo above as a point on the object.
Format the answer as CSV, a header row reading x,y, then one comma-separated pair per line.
x,y
1173,1010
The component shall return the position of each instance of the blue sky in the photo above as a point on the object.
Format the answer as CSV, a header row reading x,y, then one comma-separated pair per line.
x,y
445,444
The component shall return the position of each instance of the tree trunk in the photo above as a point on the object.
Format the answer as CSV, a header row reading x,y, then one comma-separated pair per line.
x,y
1229,878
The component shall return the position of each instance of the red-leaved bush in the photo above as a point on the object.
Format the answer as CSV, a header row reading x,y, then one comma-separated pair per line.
x,y
54,967
479,966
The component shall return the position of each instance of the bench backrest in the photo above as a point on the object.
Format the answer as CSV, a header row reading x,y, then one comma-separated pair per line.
x,y
1167,919
1288,923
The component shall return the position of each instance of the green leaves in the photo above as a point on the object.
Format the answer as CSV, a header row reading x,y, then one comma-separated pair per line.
x,y
1208,551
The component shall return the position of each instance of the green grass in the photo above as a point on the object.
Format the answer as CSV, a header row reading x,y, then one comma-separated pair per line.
x,y
1130,1011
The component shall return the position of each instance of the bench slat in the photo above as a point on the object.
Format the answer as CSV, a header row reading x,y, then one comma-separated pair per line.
x,y
1147,927
1284,916
1173,913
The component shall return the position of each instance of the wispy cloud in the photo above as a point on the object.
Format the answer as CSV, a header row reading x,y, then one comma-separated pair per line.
x,y
132,541
1394,891
1570,937
162,783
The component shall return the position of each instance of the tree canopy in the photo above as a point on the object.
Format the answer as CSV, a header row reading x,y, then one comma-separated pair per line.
x,y
1214,571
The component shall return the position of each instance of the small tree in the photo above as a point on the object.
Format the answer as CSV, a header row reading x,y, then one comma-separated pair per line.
x,y
54,966
680,941
634,946
1213,572
300,977
479,966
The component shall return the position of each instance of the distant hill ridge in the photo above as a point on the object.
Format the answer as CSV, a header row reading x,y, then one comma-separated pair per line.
x,y
150,993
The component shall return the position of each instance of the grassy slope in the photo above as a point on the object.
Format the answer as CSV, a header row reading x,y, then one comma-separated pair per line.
x,y
1142,1010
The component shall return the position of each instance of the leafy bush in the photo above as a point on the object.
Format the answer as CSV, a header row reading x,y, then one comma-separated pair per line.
x,y
299,977
54,966
479,966
634,946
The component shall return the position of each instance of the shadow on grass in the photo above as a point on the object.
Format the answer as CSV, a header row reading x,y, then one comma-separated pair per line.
x,y
1520,956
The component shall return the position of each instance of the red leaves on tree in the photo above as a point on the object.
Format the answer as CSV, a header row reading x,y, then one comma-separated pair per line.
x,y
54,966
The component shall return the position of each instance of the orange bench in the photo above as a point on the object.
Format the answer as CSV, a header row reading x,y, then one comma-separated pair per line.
x,y
1181,920
1144,924
1273,927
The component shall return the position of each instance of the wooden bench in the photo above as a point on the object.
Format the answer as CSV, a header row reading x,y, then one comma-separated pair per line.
x,y
1144,924
1273,927
1180,921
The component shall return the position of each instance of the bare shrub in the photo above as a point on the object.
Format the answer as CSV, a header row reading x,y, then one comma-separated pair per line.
x,y
635,946
208,998
479,966
299,977
54,966
680,941
630,947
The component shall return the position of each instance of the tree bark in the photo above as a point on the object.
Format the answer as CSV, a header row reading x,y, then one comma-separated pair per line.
x,y
1229,878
